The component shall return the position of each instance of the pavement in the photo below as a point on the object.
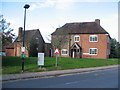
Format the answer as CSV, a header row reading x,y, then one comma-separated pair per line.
x,y
52,73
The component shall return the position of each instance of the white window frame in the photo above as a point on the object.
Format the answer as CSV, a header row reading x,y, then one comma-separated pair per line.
x,y
93,36
64,50
96,51
76,37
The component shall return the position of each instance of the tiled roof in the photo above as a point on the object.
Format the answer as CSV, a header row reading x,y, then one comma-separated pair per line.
x,y
28,35
80,28
10,46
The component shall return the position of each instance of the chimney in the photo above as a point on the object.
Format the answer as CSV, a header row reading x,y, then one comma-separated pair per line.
x,y
97,21
20,33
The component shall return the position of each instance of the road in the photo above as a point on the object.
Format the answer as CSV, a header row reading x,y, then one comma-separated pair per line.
x,y
97,79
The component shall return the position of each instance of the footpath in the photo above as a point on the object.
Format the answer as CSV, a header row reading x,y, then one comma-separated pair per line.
x,y
52,73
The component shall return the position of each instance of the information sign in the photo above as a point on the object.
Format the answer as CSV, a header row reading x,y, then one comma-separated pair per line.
x,y
22,49
40,58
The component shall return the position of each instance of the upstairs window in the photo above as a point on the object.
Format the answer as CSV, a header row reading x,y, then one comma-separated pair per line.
x,y
76,38
93,38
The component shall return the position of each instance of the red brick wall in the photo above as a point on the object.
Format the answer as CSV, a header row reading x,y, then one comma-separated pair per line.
x,y
10,52
16,51
101,45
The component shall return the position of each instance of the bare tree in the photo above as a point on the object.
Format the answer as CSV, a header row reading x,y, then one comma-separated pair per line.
x,y
60,39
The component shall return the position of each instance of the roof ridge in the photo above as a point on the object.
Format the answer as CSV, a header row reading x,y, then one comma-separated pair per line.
x,y
79,22
32,30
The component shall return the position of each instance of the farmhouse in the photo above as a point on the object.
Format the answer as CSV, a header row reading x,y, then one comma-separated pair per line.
x,y
82,40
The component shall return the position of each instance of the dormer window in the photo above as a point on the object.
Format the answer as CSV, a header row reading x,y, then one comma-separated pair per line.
x,y
76,38
93,38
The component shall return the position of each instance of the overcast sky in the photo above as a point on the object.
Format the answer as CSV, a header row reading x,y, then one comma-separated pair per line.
x,y
47,15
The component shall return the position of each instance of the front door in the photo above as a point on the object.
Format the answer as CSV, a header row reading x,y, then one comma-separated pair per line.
x,y
75,51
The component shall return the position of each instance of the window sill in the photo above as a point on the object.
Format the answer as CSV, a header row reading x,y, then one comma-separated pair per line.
x,y
93,41
64,54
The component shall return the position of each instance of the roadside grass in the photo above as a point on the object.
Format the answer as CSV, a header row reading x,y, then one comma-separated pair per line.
x,y
12,65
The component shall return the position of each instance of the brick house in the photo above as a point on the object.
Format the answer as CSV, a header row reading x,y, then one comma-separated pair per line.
x,y
82,40
31,37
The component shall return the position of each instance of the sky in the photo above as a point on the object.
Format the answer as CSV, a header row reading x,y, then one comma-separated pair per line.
x,y
47,15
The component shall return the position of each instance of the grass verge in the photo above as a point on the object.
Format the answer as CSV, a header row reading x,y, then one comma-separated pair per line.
x,y
12,65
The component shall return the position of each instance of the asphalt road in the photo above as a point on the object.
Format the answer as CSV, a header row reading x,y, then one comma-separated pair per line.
x,y
97,79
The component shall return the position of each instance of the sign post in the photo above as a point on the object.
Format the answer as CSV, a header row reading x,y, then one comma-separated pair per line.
x,y
56,60
56,52
23,55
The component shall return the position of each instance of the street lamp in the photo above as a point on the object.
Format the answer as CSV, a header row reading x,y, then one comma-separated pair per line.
x,y
26,7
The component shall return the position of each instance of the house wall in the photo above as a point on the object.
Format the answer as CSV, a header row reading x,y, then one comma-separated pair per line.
x,y
108,45
10,51
17,47
16,50
85,44
48,49
60,42
38,39
65,46
102,45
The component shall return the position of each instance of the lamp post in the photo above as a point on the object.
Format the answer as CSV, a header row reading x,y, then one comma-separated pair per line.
x,y
26,7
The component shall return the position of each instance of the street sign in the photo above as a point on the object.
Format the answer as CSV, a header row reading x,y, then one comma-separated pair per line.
x,y
56,51
40,58
23,55
22,49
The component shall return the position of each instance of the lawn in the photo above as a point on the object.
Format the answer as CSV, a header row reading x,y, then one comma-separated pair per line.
x,y
12,65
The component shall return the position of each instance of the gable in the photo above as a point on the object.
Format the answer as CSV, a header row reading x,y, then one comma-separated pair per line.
x,y
75,45
36,36
29,35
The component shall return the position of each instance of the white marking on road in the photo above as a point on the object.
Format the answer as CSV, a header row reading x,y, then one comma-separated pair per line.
x,y
72,82
96,74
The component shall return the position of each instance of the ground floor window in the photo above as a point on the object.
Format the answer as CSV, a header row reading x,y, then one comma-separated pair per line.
x,y
64,52
93,51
